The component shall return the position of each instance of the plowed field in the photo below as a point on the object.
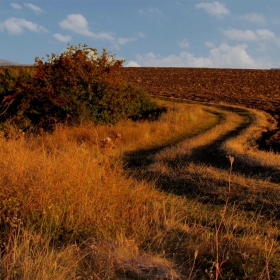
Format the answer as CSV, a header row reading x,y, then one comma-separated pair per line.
x,y
259,89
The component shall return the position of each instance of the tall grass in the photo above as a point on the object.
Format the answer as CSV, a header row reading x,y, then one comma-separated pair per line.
x,y
70,211
246,144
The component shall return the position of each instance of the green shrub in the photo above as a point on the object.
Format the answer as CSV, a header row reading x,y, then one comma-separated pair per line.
x,y
76,86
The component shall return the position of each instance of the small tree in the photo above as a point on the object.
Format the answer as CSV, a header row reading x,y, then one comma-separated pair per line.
x,y
76,86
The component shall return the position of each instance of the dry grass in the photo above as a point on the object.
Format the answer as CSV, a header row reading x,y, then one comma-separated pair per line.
x,y
226,121
69,211
245,145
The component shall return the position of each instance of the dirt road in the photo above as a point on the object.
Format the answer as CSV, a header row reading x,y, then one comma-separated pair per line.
x,y
192,166
259,89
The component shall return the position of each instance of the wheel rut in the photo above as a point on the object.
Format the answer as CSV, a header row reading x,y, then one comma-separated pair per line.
x,y
167,166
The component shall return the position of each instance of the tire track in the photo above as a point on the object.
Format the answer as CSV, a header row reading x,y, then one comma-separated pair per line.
x,y
197,167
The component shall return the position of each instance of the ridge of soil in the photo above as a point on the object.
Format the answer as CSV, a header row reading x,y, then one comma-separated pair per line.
x,y
258,89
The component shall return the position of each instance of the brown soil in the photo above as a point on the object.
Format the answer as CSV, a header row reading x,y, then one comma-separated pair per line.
x,y
259,89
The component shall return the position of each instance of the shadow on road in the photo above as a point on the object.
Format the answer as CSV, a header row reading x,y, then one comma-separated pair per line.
x,y
181,183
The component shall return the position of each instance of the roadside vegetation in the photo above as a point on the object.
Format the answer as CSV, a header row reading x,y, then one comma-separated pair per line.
x,y
182,194
75,206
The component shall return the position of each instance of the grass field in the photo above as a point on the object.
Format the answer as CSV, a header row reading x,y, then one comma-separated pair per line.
x,y
187,196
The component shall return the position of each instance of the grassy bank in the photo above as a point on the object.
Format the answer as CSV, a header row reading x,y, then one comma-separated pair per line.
x,y
73,208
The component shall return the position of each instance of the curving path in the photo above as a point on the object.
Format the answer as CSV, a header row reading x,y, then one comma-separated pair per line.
x,y
198,167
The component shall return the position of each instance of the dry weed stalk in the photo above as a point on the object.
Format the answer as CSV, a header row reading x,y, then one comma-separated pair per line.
x,y
195,257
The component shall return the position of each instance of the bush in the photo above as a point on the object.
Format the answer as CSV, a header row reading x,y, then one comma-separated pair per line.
x,y
76,86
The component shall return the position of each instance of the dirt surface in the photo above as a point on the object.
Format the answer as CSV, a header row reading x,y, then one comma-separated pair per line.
x,y
259,89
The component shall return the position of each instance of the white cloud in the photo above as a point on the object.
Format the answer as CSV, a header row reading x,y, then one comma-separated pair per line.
x,y
123,41
215,9
265,34
15,26
141,34
132,63
151,57
209,44
33,7
116,42
184,44
240,35
156,10
223,56
62,38
151,10
16,6
104,36
77,23
184,59
254,18
249,35
235,57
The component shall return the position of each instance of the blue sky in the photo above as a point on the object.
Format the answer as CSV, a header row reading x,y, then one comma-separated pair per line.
x,y
154,33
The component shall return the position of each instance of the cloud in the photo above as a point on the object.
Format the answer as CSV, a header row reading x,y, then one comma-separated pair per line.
x,y
15,26
33,7
265,34
132,63
123,41
77,23
116,42
62,38
235,57
184,59
151,10
249,35
215,9
16,6
184,44
156,10
209,44
223,56
240,35
254,18
141,34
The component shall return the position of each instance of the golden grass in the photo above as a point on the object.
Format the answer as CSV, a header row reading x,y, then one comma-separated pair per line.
x,y
225,122
30,256
245,145
69,211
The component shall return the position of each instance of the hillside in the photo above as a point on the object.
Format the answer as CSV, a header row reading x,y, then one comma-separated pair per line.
x,y
4,62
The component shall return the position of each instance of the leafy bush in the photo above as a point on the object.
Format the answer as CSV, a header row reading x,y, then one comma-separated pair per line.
x,y
76,86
